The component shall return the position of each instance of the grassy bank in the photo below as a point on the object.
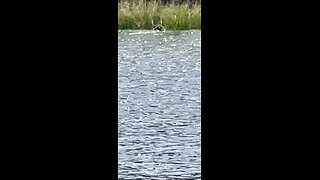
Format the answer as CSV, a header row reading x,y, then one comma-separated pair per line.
x,y
139,15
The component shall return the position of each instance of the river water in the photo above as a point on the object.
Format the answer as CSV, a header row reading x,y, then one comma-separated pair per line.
x,y
159,116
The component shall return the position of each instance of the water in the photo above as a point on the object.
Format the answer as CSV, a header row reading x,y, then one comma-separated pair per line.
x,y
159,121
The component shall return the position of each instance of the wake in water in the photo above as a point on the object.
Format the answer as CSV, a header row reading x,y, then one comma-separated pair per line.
x,y
146,32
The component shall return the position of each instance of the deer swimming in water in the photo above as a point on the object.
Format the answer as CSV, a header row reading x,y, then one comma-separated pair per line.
x,y
159,26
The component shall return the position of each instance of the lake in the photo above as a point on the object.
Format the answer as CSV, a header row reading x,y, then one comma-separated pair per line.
x,y
159,104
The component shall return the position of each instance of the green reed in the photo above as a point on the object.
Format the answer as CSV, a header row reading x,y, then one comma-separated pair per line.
x,y
139,15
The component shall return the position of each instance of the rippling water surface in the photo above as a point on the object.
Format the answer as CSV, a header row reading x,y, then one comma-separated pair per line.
x,y
159,121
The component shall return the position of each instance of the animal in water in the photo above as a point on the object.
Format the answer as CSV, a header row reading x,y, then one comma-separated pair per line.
x,y
159,26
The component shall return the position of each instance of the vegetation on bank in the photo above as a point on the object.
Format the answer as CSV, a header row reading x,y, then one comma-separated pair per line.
x,y
141,14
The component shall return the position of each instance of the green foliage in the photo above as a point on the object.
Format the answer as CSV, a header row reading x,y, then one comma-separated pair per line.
x,y
140,14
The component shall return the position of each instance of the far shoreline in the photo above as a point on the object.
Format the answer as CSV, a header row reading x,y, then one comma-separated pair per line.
x,y
144,15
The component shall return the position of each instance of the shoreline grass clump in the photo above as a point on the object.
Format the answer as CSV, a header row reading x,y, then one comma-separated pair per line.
x,y
141,14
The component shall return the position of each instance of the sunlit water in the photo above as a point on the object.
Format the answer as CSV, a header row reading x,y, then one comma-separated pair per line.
x,y
159,121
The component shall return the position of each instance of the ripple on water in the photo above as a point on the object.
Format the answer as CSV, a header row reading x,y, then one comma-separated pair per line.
x,y
159,126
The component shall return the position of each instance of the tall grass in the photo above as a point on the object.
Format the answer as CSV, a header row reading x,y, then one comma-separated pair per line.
x,y
139,15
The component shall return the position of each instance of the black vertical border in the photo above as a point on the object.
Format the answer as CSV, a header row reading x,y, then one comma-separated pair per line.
x,y
255,82
62,89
